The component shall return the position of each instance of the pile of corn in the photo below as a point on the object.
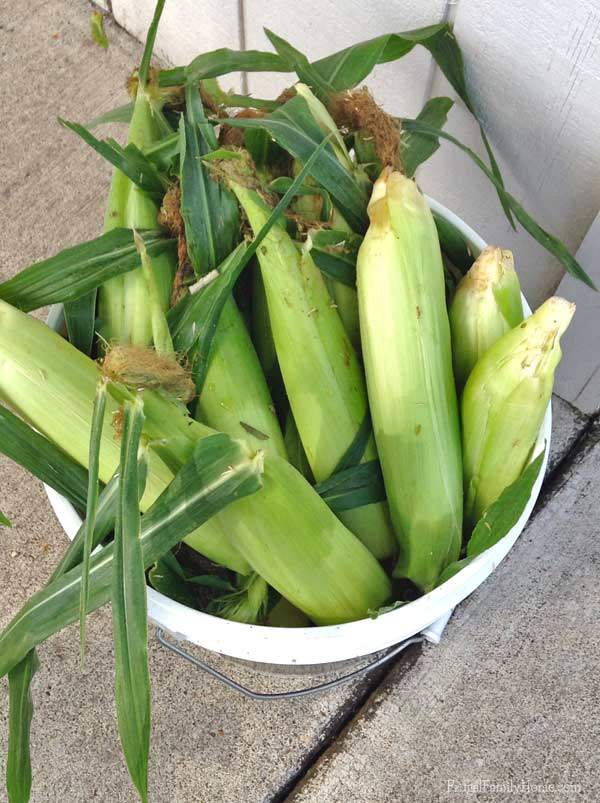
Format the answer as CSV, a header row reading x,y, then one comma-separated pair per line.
x,y
284,411
448,394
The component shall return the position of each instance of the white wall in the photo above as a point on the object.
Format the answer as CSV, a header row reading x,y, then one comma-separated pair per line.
x,y
533,68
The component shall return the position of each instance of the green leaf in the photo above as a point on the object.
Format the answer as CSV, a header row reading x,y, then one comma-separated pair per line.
x,y
120,114
149,46
499,519
551,243
164,579
129,610
129,160
19,678
43,459
97,29
80,319
20,713
349,67
92,504
231,100
453,243
353,454
294,128
218,473
72,273
193,321
209,210
4,522
297,62
164,153
283,183
334,253
453,568
416,149
222,62
359,485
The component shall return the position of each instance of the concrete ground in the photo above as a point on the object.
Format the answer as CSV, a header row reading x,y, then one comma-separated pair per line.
x,y
505,708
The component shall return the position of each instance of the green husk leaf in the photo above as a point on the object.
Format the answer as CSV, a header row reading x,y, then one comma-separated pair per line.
x,y
164,579
548,241
149,46
129,613
19,678
161,336
92,504
43,459
209,209
80,317
164,154
501,517
221,153
334,253
374,613
359,485
354,453
120,114
97,29
230,100
416,149
218,473
349,67
210,581
294,128
20,713
297,62
453,243
283,183
193,321
222,62
129,160
73,272
4,521
454,568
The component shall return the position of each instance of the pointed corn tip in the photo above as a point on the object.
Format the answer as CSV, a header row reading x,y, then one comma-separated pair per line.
x,y
490,267
395,187
557,313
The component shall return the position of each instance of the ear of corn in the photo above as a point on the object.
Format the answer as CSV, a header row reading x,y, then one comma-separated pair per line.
x,y
504,403
323,379
487,304
123,312
235,398
52,386
300,548
408,363
344,297
293,539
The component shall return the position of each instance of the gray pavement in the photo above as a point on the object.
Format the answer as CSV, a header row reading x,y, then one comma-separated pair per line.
x,y
513,684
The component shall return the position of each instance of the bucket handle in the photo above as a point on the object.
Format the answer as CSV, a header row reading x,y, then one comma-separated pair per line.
x,y
285,695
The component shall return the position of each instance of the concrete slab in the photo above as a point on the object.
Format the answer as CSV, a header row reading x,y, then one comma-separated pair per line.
x,y
506,707
568,423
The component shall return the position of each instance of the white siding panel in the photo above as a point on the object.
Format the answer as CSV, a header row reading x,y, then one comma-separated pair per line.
x,y
534,73
578,375
187,28
320,27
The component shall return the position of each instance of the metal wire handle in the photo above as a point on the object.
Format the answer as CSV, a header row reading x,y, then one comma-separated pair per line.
x,y
285,695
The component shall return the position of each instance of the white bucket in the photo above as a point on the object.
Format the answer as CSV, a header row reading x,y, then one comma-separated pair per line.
x,y
335,643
